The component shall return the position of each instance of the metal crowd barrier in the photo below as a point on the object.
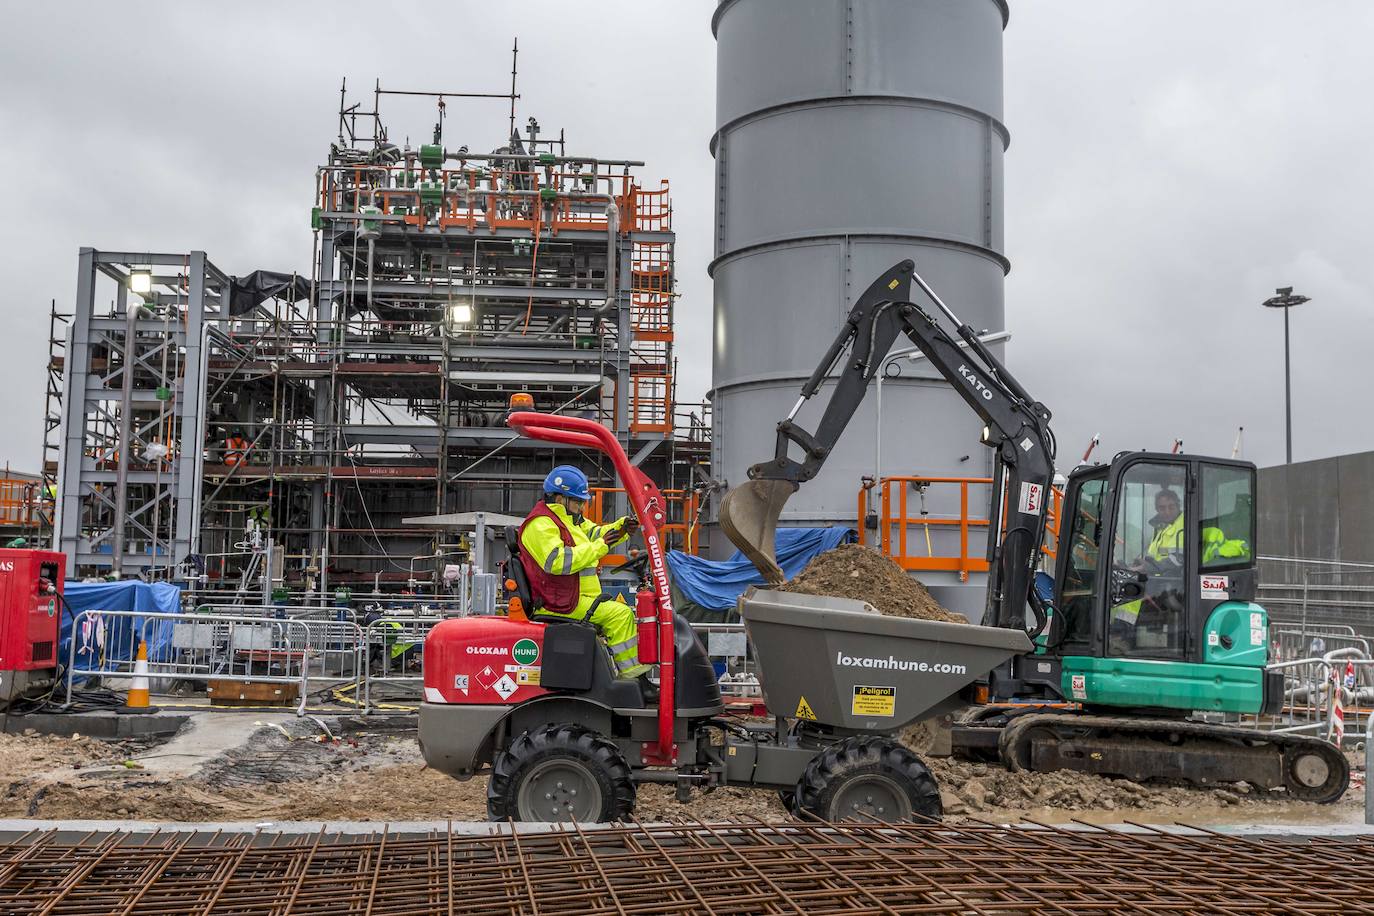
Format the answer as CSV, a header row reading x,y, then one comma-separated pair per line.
x,y
280,612
393,653
304,645
1291,640
729,649
212,646
1311,688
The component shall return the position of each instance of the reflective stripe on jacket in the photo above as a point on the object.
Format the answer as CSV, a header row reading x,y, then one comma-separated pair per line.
x,y
1167,540
546,553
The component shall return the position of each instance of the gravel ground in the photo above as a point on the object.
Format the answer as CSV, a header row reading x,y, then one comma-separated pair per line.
x,y
381,777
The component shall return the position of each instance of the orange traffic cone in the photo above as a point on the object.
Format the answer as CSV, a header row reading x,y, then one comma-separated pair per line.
x,y
138,690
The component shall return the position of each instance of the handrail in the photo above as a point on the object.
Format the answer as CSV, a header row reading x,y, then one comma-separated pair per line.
x,y
495,197
899,517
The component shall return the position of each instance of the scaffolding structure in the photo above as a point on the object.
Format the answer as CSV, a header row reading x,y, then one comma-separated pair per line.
x,y
205,419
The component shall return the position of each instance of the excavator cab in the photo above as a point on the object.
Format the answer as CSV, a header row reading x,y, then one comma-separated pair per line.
x,y
1156,564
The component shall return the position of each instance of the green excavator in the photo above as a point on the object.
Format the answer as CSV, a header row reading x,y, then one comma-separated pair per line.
x,y
1150,632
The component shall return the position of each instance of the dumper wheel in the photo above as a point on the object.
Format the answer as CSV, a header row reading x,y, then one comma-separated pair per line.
x,y
868,777
560,773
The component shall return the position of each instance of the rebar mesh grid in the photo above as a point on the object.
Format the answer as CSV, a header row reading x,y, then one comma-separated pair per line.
x,y
690,868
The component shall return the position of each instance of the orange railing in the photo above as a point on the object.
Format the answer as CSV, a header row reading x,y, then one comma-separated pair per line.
x,y
651,289
20,501
652,210
898,527
471,196
680,531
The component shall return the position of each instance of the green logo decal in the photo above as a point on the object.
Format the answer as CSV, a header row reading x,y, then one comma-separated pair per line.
x,y
525,652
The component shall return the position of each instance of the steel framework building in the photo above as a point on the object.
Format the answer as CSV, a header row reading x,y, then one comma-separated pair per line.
x,y
202,414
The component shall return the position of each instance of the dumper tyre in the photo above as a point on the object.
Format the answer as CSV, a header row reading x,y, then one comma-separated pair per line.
x,y
560,773
868,777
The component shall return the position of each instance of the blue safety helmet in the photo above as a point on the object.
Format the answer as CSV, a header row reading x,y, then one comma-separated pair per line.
x,y
566,480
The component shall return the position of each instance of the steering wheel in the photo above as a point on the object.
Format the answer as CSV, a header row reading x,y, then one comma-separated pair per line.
x,y
638,565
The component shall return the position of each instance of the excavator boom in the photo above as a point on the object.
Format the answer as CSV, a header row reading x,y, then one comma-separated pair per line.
x,y
1017,428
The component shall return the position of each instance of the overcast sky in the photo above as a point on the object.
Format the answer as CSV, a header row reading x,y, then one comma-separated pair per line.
x,y
1172,162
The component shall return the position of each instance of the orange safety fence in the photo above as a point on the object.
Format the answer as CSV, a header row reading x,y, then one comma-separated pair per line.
x,y
897,527
681,530
652,210
651,290
21,500
496,198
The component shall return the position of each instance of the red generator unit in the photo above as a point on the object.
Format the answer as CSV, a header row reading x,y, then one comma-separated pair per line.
x,y
30,617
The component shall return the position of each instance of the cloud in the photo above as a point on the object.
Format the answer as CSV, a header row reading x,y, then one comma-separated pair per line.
x,y
1171,163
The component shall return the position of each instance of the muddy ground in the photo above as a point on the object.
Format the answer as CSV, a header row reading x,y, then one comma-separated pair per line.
x,y
373,777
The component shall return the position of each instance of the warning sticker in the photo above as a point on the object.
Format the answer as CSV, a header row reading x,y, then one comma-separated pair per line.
x,y
1216,586
1257,636
486,676
894,284
1032,499
874,701
804,710
505,687
1256,620
1213,638
1078,686
527,677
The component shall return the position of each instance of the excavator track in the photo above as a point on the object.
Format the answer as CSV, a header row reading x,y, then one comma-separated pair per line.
x,y
1196,752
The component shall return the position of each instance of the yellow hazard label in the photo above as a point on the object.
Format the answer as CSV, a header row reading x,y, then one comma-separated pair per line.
x,y
527,677
874,701
894,284
804,710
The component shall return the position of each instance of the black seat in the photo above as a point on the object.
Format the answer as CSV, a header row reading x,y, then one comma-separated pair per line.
x,y
515,572
571,647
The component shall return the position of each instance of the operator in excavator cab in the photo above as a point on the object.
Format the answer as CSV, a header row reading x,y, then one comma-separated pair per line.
x,y
1167,544
1164,557
560,550
1162,560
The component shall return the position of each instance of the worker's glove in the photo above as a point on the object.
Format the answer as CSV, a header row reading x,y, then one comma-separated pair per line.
x,y
629,525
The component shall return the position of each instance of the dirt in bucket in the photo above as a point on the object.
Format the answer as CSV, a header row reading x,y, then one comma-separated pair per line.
x,y
852,571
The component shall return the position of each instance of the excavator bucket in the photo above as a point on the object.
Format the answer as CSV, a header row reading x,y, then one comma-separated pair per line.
x,y
749,515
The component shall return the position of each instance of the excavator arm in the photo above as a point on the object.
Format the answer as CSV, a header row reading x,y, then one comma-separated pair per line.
x,y
1016,427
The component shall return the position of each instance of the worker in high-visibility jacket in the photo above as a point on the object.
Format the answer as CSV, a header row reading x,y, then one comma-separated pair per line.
x,y
1164,552
235,448
560,550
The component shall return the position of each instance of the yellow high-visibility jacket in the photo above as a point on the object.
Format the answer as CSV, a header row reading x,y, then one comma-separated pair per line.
x,y
542,541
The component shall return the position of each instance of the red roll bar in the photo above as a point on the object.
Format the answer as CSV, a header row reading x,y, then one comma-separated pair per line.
x,y
650,509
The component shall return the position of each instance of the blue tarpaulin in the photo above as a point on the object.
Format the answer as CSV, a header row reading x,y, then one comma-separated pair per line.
x,y
115,640
717,584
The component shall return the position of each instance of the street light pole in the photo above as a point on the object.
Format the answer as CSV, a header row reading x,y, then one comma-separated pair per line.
x,y
1286,300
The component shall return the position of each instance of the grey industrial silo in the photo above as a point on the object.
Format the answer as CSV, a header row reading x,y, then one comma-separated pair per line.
x,y
851,134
